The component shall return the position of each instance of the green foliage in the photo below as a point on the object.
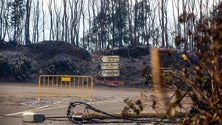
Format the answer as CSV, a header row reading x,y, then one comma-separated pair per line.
x,y
116,25
116,22
143,10
17,11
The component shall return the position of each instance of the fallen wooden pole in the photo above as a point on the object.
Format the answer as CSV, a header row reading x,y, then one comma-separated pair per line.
x,y
90,116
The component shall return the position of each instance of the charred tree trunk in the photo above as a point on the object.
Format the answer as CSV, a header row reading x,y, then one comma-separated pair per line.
x,y
27,22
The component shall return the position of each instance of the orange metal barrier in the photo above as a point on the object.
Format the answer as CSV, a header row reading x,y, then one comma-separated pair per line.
x,y
65,85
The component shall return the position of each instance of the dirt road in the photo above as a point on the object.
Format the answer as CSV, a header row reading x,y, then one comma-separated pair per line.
x,y
15,99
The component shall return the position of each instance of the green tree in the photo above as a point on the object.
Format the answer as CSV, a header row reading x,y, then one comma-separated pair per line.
x,y
142,11
17,11
109,26
101,23
119,20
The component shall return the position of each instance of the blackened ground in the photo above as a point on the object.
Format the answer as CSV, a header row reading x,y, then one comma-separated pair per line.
x,y
25,63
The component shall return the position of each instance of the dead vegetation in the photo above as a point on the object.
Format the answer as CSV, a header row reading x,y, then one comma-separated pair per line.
x,y
202,79
25,63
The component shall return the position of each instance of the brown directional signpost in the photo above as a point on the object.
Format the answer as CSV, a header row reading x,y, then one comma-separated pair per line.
x,y
109,73
110,66
109,59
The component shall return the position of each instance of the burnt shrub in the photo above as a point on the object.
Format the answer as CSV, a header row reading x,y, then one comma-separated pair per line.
x,y
15,66
21,68
59,67
4,68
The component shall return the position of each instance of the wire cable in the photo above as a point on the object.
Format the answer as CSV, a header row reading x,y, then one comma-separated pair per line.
x,y
72,105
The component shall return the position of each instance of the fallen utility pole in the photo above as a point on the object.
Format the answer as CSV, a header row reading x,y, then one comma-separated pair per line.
x,y
90,116
101,115
86,117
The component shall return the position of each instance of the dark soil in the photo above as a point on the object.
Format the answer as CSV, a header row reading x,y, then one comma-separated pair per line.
x,y
25,63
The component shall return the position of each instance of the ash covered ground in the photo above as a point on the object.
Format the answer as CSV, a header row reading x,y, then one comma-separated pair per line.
x,y
25,63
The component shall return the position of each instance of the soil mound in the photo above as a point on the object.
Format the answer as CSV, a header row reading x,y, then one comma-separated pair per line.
x,y
49,49
26,63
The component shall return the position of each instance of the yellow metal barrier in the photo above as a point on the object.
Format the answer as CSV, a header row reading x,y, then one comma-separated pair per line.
x,y
65,85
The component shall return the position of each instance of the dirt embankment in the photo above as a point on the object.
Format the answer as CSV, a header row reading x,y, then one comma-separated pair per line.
x,y
26,63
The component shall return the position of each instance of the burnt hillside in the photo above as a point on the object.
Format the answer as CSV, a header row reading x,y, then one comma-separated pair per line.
x,y
26,63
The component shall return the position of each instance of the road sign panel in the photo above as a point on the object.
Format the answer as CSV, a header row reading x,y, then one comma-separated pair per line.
x,y
109,73
109,58
110,66
65,79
